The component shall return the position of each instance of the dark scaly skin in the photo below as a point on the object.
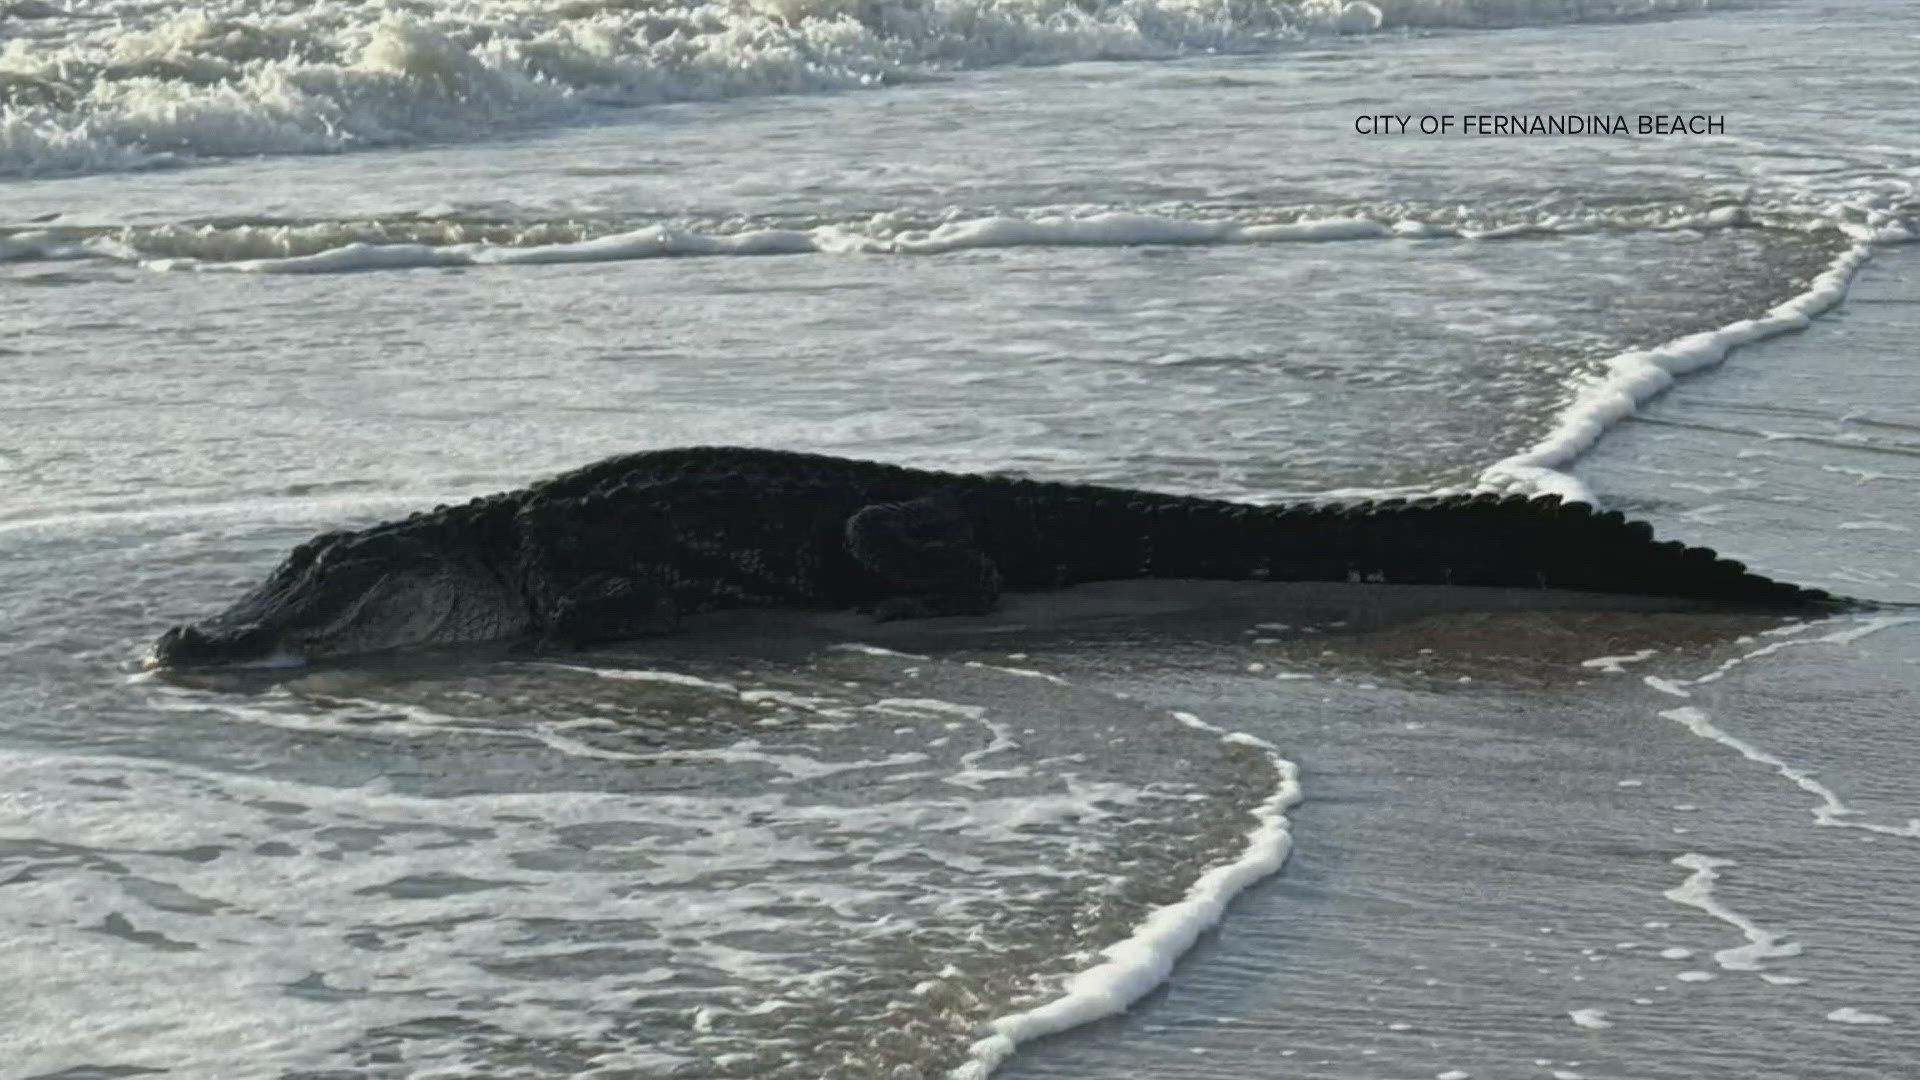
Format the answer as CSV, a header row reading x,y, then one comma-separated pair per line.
x,y
634,544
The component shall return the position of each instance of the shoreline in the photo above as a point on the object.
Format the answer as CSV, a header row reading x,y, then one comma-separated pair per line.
x,y
1655,778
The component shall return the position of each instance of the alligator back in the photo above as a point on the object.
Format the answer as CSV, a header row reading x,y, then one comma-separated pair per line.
x,y
1042,535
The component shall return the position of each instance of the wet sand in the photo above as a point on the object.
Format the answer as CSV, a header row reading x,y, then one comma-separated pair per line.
x,y
1518,858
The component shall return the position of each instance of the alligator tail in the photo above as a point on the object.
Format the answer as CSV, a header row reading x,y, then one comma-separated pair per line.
x,y
1483,540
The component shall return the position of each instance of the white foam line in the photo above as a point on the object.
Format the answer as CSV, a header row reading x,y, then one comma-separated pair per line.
x,y
999,740
1025,673
371,798
628,675
1112,229
1616,665
1830,811
1697,891
802,702
1870,625
794,766
1134,967
915,706
1103,229
419,721
546,735
999,737
875,650
1850,1015
1666,686
367,718
1638,376
1238,738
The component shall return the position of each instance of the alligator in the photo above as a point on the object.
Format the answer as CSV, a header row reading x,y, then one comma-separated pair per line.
x,y
634,545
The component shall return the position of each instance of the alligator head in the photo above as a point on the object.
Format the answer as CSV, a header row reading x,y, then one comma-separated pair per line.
x,y
347,594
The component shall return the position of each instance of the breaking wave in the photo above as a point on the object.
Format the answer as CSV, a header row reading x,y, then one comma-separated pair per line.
x,y
136,84
411,241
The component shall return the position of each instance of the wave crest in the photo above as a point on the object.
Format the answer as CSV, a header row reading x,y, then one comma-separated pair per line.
x,y
83,91
450,239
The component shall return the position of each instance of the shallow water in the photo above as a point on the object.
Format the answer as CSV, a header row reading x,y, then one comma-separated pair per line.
x,y
262,275
1597,844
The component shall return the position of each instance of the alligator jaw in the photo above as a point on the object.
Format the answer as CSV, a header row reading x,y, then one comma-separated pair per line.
x,y
190,646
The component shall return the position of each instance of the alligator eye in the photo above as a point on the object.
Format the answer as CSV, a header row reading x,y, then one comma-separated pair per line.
x,y
180,644
319,549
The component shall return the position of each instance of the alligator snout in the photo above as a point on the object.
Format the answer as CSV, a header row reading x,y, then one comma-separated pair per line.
x,y
188,645
183,646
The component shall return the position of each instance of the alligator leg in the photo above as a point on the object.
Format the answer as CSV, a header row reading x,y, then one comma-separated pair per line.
x,y
609,607
923,554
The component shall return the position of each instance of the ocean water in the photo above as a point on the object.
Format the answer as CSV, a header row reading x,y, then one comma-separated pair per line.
x,y
268,269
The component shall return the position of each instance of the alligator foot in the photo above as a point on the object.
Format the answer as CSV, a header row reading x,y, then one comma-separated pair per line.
x,y
923,554
927,607
610,607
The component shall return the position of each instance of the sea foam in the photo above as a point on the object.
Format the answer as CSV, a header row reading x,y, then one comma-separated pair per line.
x,y
715,868
1637,376
124,85
418,241
1132,968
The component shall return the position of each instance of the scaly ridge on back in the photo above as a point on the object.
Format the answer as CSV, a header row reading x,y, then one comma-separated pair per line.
x,y
633,544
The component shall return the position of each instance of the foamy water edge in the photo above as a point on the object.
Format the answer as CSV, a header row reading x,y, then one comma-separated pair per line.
x,y
1132,968
1637,376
